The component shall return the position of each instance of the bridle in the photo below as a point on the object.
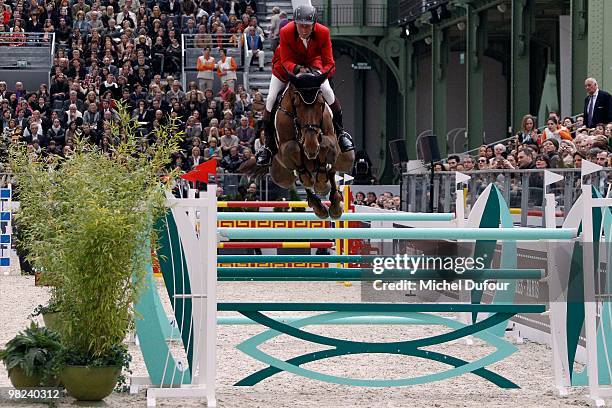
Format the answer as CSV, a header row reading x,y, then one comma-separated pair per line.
x,y
298,127
314,127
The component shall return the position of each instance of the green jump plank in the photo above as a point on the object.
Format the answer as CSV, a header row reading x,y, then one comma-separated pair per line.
x,y
353,320
365,274
308,216
489,234
378,307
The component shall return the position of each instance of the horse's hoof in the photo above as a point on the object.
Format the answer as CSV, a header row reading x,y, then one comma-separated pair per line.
x,y
321,212
317,206
335,212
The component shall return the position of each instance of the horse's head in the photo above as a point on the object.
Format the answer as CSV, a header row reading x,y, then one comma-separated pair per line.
x,y
309,106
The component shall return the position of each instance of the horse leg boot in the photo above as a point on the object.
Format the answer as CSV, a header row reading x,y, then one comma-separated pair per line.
x,y
316,204
269,149
336,206
345,141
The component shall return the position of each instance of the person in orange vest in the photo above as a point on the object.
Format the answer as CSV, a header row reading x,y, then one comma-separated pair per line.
x,y
226,69
206,70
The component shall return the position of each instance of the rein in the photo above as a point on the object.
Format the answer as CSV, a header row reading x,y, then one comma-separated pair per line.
x,y
318,128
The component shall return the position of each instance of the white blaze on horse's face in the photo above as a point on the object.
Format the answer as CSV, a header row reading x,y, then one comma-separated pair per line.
x,y
311,119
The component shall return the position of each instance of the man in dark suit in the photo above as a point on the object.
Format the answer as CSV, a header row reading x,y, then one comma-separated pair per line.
x,y
597,105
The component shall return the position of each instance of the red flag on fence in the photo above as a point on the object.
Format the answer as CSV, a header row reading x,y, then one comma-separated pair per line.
x,y
201,172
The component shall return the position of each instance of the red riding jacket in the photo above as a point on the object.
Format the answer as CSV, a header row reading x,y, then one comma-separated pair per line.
x,y
291,51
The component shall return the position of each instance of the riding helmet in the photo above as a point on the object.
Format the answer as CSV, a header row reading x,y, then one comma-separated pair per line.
x,y
305,14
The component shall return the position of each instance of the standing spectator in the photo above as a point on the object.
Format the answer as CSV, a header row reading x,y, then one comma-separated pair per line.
x,y
206,66
275,28
597,105
283,20
253,47
528,132
226,69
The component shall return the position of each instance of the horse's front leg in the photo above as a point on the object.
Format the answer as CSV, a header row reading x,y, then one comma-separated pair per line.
x,y
336,206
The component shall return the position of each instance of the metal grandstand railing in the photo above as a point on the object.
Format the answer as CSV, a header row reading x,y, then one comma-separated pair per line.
x,y
26,50
522,190
347,15
192,48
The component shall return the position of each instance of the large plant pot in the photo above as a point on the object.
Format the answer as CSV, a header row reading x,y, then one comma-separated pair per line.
x,y
52,321
89,383
20,379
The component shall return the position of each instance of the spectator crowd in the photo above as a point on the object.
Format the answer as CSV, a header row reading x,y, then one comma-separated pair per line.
x,y
128,52
560,144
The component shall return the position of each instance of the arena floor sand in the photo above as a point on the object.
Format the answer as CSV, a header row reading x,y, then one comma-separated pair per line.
x,y
530,367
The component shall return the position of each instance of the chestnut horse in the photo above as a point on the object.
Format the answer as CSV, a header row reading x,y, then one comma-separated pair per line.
x,y
307,145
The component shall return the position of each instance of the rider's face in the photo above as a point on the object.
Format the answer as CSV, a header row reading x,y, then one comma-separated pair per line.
x,y
305,30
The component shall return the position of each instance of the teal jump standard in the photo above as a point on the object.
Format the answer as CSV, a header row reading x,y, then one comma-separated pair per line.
x,y
308,216
365,274
489,234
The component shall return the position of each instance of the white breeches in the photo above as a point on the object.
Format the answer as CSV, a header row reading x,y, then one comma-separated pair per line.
x,y
277,86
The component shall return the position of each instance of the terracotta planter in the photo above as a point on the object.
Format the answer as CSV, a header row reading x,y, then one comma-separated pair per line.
x,y
89,383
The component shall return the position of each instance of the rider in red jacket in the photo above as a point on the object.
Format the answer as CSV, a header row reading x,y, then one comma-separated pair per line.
x,y
305,46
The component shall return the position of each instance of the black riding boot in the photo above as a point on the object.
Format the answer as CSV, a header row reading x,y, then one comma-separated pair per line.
x,y
345,141
268,150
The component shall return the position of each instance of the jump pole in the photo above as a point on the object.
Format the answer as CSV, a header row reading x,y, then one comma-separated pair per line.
x,y
493,234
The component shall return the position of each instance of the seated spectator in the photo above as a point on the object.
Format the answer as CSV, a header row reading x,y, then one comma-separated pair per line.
x,y
245,133
248,161
232,161
550,149
554,131
253,48
228,120
482,163
259,105
214,152
226,93
468,163
196,158
452,162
